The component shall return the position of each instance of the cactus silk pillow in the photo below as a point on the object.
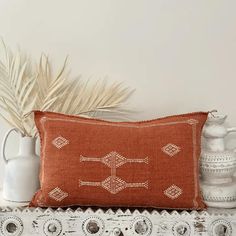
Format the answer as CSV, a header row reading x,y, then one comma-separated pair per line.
x,y
91,162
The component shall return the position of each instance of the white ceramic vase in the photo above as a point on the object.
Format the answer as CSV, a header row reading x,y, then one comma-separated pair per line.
x,y
21,178
218,165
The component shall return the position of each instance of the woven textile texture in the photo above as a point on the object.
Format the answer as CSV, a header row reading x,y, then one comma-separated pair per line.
x,y
91,162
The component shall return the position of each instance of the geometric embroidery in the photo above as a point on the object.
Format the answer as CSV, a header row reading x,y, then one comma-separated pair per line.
x,y
171,149
60,142
113,184
57,194
173,192
114,158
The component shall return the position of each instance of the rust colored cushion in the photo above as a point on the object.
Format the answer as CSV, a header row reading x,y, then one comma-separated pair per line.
x,y
132,164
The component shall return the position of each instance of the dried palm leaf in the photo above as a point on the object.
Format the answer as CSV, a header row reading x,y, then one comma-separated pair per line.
x,y
16,88
77,97
24,88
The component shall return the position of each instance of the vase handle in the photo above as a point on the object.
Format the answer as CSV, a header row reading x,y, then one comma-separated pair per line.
x,y
5,140
230,130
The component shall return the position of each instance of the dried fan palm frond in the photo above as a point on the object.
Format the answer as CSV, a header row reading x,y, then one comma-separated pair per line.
x,y
49,87
77,97
92,99
17,83
24,88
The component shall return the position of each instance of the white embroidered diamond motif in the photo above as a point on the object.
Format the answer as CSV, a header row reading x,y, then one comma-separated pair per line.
x,y
173,192
60,142
57,194
171,149
113,184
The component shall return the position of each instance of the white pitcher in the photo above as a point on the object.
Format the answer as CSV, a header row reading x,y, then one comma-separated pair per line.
x,y
21,178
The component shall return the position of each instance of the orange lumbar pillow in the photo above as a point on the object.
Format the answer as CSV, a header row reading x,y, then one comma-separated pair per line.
x,y
91,162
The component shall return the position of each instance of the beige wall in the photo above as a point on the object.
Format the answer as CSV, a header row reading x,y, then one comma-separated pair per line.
x,y
180,55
